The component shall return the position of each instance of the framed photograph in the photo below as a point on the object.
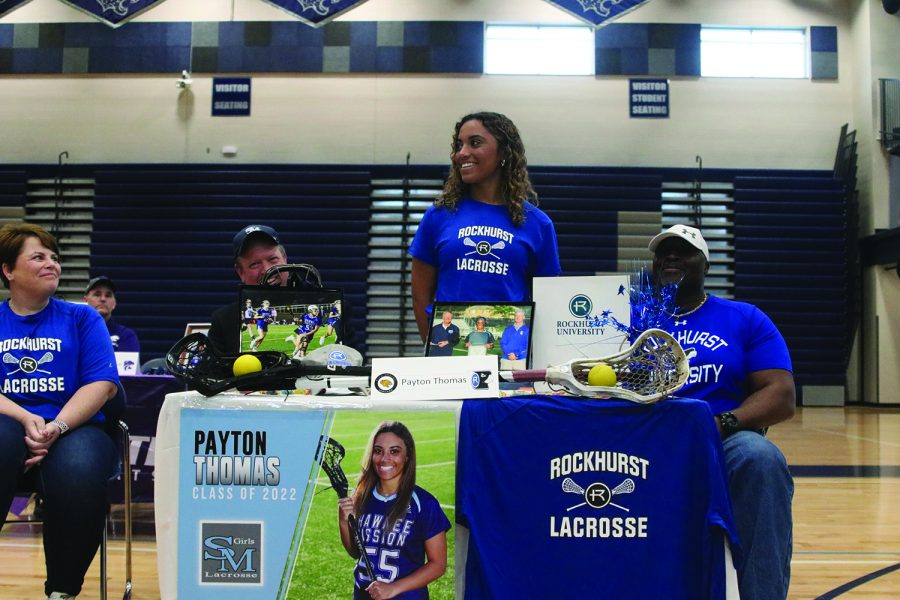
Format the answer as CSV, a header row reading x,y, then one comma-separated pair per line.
x,y
478,328
196,328
290,320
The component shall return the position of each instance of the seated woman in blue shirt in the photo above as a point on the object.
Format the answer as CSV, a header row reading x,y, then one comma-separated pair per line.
x,y
58,371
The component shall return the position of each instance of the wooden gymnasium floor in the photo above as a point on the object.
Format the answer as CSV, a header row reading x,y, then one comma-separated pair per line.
x,y
846,464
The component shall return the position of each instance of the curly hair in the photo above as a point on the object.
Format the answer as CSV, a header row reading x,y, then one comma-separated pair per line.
x,y
368,478
515,185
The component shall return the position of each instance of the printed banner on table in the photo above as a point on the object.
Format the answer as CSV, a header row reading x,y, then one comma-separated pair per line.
x,y
597,12
113,12
244,494
316,12
568,312
434,378
7,6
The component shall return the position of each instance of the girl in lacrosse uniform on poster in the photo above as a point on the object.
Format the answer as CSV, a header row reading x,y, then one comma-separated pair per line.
x,y
484,239
403,526
58,371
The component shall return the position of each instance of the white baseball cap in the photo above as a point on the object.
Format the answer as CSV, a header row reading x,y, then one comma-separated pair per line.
x,y
689,234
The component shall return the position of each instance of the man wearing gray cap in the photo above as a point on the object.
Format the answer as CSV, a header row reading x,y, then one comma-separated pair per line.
x,y
101,294
741,367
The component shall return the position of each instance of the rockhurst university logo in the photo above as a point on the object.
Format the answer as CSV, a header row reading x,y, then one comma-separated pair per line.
x,y
583,323
580,306
231,553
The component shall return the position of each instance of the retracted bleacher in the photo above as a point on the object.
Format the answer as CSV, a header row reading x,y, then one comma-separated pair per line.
x,y
791,253
587,208
163,234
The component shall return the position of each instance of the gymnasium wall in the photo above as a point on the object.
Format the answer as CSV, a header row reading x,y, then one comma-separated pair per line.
x,y
372,119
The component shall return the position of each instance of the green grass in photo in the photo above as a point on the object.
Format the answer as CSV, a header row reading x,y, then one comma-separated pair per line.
x,y
276,339
324,570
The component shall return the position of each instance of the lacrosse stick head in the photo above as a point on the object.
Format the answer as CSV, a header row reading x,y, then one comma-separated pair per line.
x,y
570,487
652,368
299,275
329,454
193,360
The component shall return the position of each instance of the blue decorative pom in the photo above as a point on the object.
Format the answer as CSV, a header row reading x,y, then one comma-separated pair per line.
x,y
651,307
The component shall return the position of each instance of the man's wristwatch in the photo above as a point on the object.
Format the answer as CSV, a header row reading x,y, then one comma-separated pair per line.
x,y
61,424
728,422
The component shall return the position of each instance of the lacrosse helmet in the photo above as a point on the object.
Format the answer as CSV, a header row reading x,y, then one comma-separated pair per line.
x,y
313,309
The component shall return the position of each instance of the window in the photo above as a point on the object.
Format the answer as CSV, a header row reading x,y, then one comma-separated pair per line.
x,y
730,52
538,50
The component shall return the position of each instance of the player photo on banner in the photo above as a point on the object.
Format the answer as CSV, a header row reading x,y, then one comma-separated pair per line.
x,y
479,329
383,449
289,320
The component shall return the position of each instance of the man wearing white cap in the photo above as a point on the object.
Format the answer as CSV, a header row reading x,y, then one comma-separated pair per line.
x,y
740,365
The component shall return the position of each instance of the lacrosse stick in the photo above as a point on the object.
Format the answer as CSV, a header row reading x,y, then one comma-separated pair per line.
x,y
300,275
193,360
329,454
652,368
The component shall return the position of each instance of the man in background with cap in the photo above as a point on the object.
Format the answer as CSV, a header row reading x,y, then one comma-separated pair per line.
x,y
739,364
256,248
101,294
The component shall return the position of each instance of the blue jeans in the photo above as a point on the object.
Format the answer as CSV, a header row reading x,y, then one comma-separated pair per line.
x,y
72,480
761,490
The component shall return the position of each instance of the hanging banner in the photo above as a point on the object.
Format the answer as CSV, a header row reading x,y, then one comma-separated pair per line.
x,y
113,12
7,6
597,12
316,12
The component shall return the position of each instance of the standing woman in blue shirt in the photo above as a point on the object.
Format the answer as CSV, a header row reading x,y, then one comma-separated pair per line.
x,y
484,239
57,372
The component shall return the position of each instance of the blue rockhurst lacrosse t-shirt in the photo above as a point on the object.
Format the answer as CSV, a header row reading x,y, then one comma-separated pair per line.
x,y
480,255
48,356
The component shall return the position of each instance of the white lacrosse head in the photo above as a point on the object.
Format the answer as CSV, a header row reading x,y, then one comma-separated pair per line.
x,y
626,487
570,487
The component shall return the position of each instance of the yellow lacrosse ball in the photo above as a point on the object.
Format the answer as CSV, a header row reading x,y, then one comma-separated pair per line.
x,y
602,375
246,363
